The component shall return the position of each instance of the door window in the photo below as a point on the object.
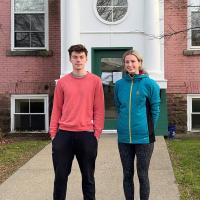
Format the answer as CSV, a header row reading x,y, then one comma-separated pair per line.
x,y
111,69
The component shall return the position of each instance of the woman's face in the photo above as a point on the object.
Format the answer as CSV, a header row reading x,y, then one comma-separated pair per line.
x,y
131,64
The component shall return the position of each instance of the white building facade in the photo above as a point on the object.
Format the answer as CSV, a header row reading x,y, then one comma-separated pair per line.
x,y
108,28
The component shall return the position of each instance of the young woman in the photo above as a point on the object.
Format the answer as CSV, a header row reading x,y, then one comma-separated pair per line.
x,y
137,100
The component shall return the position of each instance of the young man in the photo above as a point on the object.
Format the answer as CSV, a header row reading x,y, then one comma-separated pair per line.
x,y
76,123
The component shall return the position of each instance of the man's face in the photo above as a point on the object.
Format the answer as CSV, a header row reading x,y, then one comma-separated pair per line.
x,y
78,60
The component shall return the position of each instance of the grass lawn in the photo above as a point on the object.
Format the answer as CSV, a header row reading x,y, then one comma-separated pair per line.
x,y
14,152
185,156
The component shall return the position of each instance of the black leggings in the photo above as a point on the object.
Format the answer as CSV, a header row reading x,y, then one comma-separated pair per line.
x,y
143,154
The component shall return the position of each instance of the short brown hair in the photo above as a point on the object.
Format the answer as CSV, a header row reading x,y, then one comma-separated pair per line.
x,y
77,48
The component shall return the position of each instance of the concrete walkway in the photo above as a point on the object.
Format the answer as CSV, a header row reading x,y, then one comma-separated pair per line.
x,y
34,180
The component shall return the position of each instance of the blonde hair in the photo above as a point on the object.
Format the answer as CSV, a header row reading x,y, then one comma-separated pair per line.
x,y
136,54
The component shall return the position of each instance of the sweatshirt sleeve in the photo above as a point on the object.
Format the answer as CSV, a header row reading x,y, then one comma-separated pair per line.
x,y
155,101
98,109
57,109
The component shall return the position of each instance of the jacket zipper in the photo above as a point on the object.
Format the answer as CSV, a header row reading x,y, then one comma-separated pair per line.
x,y
130,108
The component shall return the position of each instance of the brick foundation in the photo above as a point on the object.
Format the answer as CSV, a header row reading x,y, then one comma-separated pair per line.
x,y
9,89
177,111
5,112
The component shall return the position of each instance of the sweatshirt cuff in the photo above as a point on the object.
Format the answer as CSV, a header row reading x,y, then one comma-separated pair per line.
x,y
52,134
98,133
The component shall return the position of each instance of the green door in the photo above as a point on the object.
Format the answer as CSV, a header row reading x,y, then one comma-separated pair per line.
x,y
107,63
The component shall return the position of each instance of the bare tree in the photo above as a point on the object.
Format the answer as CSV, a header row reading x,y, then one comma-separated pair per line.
x,y
191,20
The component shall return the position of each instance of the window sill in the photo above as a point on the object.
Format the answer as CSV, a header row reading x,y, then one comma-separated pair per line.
x,y
41,53
24,132
193,52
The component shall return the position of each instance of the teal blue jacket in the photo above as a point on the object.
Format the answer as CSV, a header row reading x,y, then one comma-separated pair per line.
x,y
137,100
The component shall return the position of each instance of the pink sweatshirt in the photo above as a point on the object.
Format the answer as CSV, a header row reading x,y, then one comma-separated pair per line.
x,y
78,105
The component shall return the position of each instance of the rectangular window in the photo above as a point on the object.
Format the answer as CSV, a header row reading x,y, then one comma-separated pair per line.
x,y
194,23
29,113
29,24
193,102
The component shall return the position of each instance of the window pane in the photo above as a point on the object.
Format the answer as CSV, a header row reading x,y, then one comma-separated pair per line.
x,y
22,22
195,37
36,106
120,3
195,121
22,39
37,122
37,39
29,5
37,22
29,122
195,17
109,67
194,2
196,105
105,13
111,64
112,11
22,122
21,106
33,22
104,3
119,13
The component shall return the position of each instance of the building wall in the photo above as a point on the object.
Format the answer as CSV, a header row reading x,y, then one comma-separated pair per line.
x,y
182,72
36,74
128,33
26,74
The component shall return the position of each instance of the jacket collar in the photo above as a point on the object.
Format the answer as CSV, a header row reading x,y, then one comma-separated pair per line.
x,y
134,77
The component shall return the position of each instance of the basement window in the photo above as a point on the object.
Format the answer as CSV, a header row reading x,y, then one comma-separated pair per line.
x,y
193,107
29,113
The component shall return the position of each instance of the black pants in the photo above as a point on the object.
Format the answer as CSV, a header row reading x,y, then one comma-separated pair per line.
x,y
143,153
65,146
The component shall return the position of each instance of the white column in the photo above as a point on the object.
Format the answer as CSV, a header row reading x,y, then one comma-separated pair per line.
x,y
152,46
70,30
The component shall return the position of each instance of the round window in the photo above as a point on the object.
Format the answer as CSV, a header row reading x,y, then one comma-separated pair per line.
x,y
111,11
